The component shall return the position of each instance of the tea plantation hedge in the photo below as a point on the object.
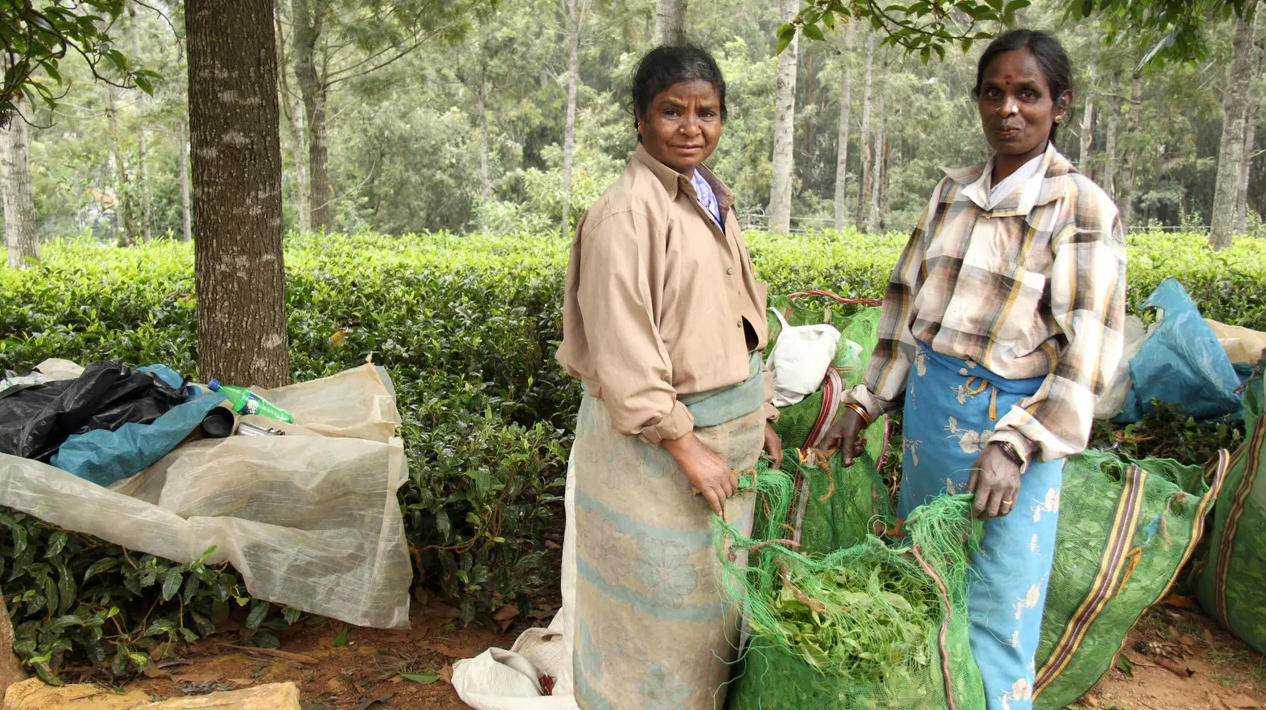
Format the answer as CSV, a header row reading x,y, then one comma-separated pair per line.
x,y
467,327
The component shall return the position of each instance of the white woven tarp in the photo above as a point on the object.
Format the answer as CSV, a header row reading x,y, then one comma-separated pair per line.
x,y
310,519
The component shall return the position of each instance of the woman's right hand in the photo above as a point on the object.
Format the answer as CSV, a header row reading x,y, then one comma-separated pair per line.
x,y
707,472
844,435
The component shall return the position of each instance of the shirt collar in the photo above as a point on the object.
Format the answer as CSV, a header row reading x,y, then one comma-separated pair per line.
x,y
1050,183
674,181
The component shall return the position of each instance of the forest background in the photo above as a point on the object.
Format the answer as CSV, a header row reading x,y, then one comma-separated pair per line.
x,y
456,118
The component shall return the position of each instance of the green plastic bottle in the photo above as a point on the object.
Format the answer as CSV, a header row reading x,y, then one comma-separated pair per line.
x,y
245,401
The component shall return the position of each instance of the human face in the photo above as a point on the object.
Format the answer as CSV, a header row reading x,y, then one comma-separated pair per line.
x,y
1017,109
682,125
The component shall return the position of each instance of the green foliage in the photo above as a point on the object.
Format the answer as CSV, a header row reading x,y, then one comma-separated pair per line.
x,y
36,37
467,327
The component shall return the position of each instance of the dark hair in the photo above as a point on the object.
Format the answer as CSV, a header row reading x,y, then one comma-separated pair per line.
x,y
1050,56
664,66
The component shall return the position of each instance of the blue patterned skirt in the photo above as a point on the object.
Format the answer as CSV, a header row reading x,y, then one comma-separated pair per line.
x,y
951,408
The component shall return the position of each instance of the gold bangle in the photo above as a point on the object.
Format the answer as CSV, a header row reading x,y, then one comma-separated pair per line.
x,y
1011,452
861,412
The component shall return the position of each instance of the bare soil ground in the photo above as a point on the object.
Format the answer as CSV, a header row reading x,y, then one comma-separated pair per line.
x,y
1178,660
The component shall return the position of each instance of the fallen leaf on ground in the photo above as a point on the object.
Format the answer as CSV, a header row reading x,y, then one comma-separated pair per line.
x,y
1137,659
443,610
505,616
341,639
380,699
423,678
1241,702
1175,667
284,655
446,674
155,672
1180,602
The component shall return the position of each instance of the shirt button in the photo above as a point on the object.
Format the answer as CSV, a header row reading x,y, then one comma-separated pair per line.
x,y
730,271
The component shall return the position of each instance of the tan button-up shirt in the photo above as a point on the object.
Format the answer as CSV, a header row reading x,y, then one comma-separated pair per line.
x,y
656,300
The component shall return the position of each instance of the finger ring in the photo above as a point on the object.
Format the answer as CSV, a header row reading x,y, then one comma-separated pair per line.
x,y
1007,502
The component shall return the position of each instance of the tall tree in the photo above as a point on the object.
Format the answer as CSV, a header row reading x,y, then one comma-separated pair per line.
x,y
670,22
874,218
1252,118
309,21
1129,173
19,203
1234,108
182,166
238,262
1087,133
784,131
292,107
142,149
577,11
1109,181
863,141
846,109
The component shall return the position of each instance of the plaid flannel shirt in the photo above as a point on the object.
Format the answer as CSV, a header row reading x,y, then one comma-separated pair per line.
x,y
1034,287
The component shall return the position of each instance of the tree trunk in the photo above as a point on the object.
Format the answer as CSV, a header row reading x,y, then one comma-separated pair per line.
x,y
874,217
670,22
238,261
125,226
1087,135
182,152
1231,151
19,203
10,666
784,131
485,189
575,19
142,162
1109,182
1246,169
1129,173
293,109
308,28
863,141
846,107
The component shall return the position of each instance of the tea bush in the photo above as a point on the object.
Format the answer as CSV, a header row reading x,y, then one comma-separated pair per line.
x,y
467,326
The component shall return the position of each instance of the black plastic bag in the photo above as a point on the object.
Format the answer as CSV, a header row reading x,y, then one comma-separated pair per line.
x,y
36,419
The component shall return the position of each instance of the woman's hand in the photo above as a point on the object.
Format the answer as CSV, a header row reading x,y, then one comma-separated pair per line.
x,y
995,479
845,435
711,476
773,445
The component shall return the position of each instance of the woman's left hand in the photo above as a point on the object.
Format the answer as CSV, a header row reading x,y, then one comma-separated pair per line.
x,y
995,479
773,445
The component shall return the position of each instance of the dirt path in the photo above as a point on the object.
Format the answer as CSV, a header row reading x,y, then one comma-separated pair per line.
x,y
1218,671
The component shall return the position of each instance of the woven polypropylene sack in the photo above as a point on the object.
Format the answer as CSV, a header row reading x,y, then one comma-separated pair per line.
x,y
1125,532
1232,586
871,626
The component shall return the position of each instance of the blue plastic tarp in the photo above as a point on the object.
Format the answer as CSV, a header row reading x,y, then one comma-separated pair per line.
x,y
105,457
1181,362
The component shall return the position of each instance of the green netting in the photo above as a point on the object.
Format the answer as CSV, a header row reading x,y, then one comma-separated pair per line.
x,y
869,626
1124,534
1232,586
859,330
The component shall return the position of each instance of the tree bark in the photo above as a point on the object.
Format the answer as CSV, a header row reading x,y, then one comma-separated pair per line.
x,y
784,131
19,203
182,153
125,221
670,22
293,109
1109,182
863,141
1087,135
1129,173
1231,151
846,109
485,188
10,667
575,20
874,217
238,261
1246,169
308,27
142,162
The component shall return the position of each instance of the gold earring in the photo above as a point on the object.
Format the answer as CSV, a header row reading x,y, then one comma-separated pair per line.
x,y
1059,119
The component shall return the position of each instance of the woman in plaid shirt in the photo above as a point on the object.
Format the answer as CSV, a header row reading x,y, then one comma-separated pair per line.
x,y
1000,319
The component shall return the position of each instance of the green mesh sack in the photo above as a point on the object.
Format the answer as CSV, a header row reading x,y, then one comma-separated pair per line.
x,y
1125,532
803,423
1232,585
874,626
834,507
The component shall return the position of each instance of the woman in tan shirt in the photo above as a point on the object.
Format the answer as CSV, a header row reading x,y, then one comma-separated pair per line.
x,y
663,321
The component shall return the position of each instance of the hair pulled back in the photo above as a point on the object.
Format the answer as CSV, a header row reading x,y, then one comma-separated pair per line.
x,y
1050,56
667,65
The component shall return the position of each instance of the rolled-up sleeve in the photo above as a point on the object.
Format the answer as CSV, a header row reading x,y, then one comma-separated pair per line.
x,y
1087,292
617,303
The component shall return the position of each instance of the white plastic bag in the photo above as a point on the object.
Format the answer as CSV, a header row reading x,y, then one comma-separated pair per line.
x,y
800,359
1118,387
